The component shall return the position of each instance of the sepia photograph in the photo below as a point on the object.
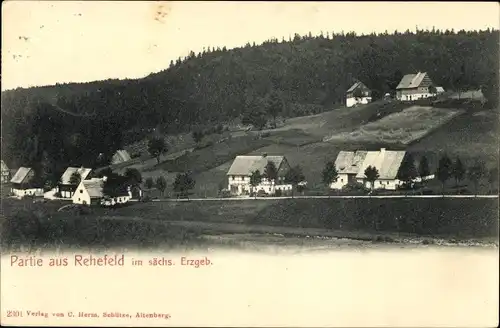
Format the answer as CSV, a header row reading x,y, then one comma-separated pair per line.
x,y
253,152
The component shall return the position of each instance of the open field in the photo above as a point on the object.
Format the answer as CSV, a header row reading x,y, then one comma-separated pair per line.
x,y
471,135
403,127
150,224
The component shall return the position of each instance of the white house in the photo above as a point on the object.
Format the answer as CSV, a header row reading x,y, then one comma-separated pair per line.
x,y
347,164
66,188
358,93
5,172
351,167
242,168
22,183
90,192
416,86
387,163
120,156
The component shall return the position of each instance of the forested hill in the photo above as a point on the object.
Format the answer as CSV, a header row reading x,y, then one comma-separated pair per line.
x,y
220,84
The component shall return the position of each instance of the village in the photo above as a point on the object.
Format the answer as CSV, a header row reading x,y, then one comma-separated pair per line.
x,y
361,170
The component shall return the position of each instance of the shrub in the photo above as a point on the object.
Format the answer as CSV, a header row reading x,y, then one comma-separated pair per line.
x,y
261,193
278,193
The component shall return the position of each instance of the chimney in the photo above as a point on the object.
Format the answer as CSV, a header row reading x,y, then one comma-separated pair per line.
x,y
382,151
104,178
264,155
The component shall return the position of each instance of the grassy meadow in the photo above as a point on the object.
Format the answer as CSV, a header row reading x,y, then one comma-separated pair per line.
x,y
154,224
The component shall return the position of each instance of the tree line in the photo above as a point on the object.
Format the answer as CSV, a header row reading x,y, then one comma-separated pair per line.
x,y
75,122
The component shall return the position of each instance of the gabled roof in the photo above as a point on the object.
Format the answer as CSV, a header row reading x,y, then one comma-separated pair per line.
x,y
4,167
410,81
348,162
120,156
94,187
246,165
357,85
439,89
20,175
84,172
387,163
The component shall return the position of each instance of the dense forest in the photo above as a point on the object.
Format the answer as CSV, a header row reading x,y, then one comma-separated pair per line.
x,y
54,126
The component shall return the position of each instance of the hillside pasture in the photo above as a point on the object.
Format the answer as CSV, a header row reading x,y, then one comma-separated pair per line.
x,y
340,119
403,127
204,159
471,136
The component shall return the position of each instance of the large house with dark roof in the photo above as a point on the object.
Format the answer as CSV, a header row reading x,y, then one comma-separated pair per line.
x,y
243,167
66,186
358,93
415,86
23,183
351,167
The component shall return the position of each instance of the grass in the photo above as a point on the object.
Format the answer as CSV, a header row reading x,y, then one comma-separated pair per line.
x,y
471,135
470,218
146,225
207,158
401,127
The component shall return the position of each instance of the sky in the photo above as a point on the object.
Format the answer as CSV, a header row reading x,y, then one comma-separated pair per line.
x,y
48,42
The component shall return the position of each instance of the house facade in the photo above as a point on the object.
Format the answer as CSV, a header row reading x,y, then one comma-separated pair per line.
x,y
242,168
348,164
358,93
415,86
352,165
66,188
22,183
5,173
91,192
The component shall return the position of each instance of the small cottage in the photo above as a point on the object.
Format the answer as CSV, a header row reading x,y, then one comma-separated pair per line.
x,y
387,163
416,86
348,164
91,192
23,183
358,93
67,185
351,168
243,167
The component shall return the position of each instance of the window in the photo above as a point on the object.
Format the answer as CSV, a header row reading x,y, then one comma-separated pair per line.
x,y
81,191
341,180
233,177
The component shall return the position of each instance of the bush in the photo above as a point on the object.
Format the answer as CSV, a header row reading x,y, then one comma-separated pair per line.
x,y
224,193
261,193
355,188
278,193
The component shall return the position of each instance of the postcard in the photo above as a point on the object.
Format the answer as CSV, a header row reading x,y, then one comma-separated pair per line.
x,y
215,164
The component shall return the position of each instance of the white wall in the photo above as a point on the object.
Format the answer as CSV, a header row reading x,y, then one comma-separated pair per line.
x,y
341,181
243,185
27,192
415,96
81,198
353,101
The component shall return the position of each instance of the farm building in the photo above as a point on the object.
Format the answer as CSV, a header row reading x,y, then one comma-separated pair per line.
x,y
358,93
67,187
5,172
415,86
351,167
120,156
23,183
242,168
91,192
348,164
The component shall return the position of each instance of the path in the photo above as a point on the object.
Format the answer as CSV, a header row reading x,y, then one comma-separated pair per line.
x,y
320,197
